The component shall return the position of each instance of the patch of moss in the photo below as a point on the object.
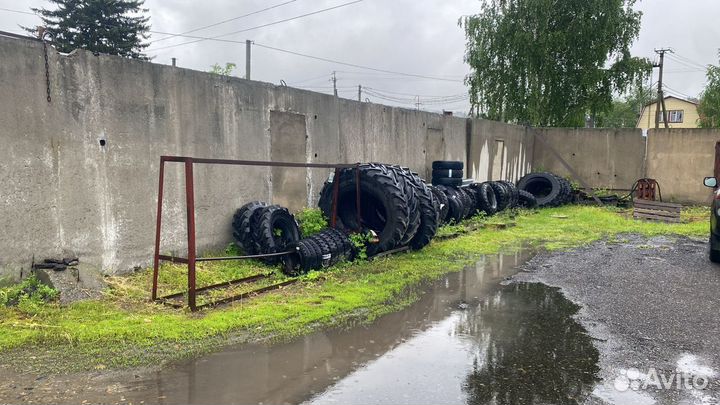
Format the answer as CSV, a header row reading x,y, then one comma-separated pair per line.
x,y
123,329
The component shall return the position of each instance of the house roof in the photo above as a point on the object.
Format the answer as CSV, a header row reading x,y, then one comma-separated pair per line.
x,y
676,98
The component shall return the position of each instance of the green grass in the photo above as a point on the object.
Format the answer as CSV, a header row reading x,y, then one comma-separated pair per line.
x,y
123,329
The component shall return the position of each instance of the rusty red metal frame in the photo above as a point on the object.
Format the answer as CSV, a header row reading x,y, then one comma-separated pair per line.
x,y
192,258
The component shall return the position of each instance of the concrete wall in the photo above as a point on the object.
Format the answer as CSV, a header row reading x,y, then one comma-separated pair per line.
x,y
498,151
679,159
604,158
614,158
79,174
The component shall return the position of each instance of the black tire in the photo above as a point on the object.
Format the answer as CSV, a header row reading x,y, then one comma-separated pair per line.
x,y
501,195
442,203
241,226
455,204
546,188
405,178
274,230
526,200
471,200
445,181
447,173
429,221
448,164
383,204
485,196
513,192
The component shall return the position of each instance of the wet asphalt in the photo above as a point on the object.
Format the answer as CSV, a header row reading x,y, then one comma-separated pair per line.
x,y
652,307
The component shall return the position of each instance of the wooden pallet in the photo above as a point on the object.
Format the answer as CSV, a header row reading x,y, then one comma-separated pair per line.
x,y
656,210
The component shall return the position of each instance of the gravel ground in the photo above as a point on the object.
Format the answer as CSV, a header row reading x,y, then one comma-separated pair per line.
x,y
651,306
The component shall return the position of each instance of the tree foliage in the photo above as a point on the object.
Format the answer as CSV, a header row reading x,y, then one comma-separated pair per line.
x,y
549,62
113,27
709,106
624,112
223,71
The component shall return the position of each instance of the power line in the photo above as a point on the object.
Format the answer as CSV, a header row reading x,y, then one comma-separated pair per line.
x,y
352,64
688,60
223,21
217,37
17,11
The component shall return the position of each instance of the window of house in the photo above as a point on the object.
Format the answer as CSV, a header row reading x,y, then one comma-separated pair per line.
x,y
674,116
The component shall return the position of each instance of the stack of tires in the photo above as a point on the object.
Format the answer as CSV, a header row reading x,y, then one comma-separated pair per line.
x,y
548,189
324,249
489,197
259,228
396,205
447,173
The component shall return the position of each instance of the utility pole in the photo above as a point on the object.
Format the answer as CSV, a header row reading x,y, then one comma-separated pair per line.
x,y
417,102
661,99
248,45
360,92
173,61
334,82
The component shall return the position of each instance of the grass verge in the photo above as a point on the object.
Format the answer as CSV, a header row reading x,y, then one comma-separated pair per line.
x,y
124,330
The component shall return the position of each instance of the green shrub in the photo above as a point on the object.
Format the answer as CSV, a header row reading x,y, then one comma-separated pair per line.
x,y
311,221
29,294
360,241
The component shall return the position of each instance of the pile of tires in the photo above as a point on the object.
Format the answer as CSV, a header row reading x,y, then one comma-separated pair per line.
x,y
548,189
396,205
324,249
447,173
259,228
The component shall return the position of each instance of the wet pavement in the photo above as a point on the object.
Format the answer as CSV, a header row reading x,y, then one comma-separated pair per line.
x,y
606,324
651,306
467,340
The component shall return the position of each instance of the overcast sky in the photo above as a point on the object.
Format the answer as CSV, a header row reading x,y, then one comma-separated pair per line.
x,y
408,36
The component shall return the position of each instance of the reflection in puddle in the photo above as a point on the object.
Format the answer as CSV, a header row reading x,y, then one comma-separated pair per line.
x,y
467,340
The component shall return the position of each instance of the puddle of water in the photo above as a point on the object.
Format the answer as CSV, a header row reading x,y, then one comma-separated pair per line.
x,y
467,340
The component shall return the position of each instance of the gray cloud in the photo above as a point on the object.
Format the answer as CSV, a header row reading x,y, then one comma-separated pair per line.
x,y
419,37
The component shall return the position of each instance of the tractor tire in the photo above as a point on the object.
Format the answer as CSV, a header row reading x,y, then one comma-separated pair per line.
x,y
405,178
546,187
429,221
472,201
384,206
513,192
486,198
442,204
274,230
526,200
456,209
502,196
241,226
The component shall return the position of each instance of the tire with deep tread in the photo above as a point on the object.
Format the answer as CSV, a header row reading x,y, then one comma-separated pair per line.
x,y
526,200
501,195
547,188
472,206
241,226
448,164
405,178
384,205
429,220
269,221
455,204
442,203
513,193
486,198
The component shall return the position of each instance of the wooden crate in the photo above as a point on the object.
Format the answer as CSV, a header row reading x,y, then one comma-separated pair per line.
x,y
656,210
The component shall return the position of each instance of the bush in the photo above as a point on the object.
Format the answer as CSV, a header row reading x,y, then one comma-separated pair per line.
x,y
31,293
311,221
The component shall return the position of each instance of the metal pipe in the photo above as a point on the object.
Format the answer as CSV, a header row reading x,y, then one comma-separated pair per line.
x,y
158,224
190,203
